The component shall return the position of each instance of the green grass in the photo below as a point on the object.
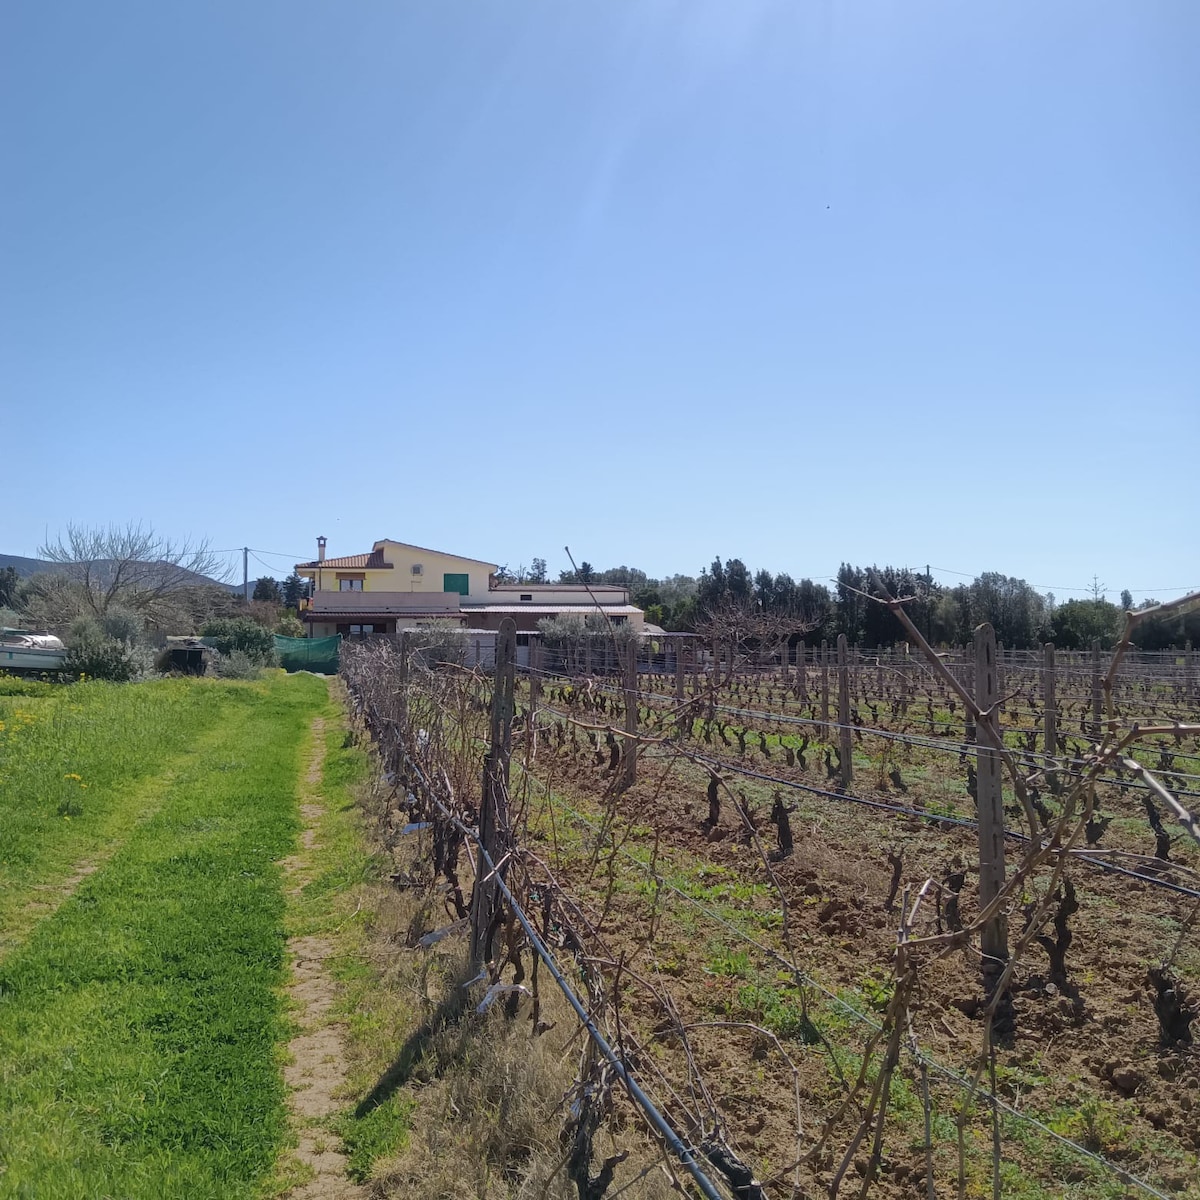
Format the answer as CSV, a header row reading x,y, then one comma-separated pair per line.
x,y
79,767
333,902
16,685
139,1025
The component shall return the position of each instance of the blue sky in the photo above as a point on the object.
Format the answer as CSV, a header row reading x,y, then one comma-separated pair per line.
x,y
911,282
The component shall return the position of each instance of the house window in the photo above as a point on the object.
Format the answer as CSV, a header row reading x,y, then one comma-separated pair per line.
x,y
418,569
618,620
361,630
526,595
457,583
350,585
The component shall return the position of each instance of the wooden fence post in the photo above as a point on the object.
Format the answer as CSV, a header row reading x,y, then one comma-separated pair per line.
x,y
629,749
845,735
989,795
402,683
1189,673
1097,694
493,811
1049,700
824,691
681,722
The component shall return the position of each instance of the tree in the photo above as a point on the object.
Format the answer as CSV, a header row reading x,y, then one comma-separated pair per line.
x,y
585,574
295,589
1127,601
8,587
1078,622
537,571
266,588
132,566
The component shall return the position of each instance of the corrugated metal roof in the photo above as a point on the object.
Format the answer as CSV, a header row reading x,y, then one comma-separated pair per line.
x,y
549,610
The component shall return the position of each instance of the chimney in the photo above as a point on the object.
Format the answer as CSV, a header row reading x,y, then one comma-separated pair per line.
x,y
320,549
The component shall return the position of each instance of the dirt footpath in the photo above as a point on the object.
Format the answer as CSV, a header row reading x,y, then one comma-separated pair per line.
x,y
316,1070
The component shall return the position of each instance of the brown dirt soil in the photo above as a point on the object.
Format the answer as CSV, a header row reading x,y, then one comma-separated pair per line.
x,y
1085,1059
317,1068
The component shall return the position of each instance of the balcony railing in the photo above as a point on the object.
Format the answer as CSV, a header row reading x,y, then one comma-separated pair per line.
x,y
384,602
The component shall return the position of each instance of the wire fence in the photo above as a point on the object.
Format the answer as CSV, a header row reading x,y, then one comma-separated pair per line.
x,y
429,726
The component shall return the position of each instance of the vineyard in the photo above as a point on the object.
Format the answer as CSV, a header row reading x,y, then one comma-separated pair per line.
x,y
897,924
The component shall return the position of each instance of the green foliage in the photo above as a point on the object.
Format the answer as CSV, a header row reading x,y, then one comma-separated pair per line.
x,y
1097,1124
249,637
122,624
731,963
295,589
266,588
17,685
236,665
779,1010
1078,622
9,579
95,655
290,625
585,574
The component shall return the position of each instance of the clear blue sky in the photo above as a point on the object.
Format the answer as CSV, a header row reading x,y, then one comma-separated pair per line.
x,y
911,281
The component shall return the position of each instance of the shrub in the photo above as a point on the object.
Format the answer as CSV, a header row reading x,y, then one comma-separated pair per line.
x,y
102,658
235,665
123,625
290,625
91,651
10,618
232,634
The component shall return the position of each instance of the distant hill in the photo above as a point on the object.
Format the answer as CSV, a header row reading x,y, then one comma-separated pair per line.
x,y
27,567
24,566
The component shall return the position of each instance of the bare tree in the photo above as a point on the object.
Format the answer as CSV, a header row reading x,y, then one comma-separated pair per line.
x,y
750,631
132,567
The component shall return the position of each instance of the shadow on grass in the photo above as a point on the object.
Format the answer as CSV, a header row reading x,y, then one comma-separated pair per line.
x,y
447,1013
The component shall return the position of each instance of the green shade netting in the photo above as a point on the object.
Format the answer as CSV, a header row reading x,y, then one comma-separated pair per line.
x,y
319,655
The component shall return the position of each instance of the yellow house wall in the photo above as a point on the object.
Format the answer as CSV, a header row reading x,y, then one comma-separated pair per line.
x,y
435,567
401,579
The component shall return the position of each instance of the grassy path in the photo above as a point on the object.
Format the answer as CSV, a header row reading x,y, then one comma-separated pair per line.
x,y
315,1072
80,767
140,1024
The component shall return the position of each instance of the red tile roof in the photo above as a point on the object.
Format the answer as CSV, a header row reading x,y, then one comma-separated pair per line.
x,y
371,562
367,616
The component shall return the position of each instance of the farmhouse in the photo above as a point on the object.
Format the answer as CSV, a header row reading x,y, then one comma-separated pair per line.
x,y
397,586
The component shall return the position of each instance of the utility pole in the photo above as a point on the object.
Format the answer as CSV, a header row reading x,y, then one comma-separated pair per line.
x,y
246,574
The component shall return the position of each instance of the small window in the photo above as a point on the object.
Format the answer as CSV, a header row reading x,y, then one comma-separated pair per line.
x,y
526,595
618,620
361,630
350,585
418,568
452,582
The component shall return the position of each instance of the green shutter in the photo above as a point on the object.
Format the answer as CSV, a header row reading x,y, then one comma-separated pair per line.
x,y
457,583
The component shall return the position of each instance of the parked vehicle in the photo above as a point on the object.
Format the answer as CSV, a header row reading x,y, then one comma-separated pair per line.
x,y
25,652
